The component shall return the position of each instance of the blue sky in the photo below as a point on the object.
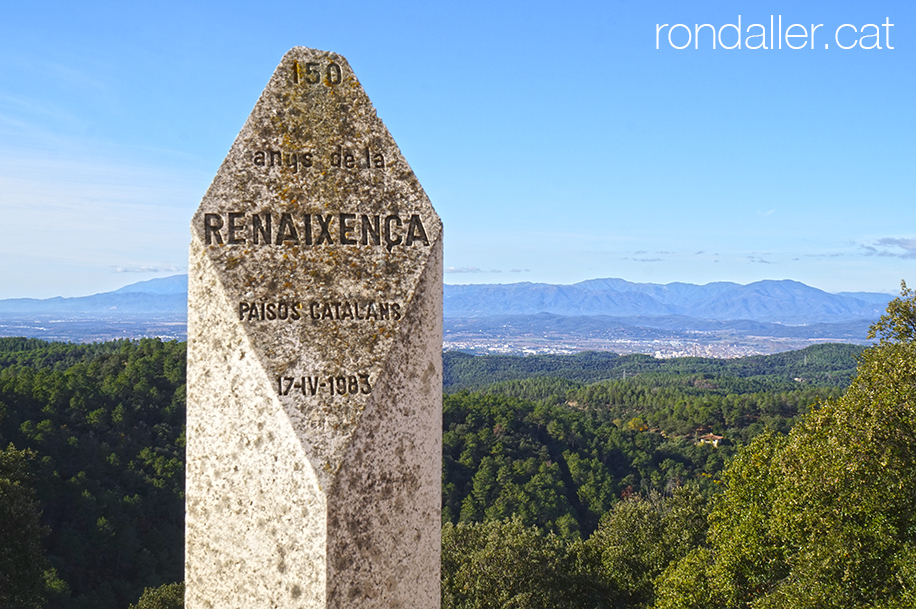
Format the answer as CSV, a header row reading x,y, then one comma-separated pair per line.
x,y
556,142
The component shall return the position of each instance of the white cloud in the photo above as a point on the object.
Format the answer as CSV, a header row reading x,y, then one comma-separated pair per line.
x,y
889,246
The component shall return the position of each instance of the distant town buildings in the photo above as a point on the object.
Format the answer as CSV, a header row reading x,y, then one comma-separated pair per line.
x,y
662,349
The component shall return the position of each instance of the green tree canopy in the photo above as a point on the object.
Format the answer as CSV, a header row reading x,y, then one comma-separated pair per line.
x,y
641,536
166,596
822,518
106,423
503,564
26,578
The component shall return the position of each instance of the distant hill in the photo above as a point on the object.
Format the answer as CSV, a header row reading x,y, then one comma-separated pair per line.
x,y
167,295
824,365
176,284
785,301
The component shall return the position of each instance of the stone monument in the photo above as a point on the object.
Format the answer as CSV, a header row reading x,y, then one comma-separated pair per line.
x,y
314,360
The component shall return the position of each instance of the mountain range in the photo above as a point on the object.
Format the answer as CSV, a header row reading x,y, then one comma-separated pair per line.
x,y
784,301
773,301
167,295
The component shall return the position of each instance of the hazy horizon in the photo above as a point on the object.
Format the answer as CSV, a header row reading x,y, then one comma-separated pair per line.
x,y
132,283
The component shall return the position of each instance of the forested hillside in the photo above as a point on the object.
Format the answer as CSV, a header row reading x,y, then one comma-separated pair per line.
x,y
825,364
820,517
105,424
568,481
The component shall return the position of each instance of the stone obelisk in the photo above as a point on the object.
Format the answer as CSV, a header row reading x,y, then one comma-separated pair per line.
x,y
314,360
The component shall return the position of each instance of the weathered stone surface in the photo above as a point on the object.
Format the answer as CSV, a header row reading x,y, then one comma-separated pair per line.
x,y
314,360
